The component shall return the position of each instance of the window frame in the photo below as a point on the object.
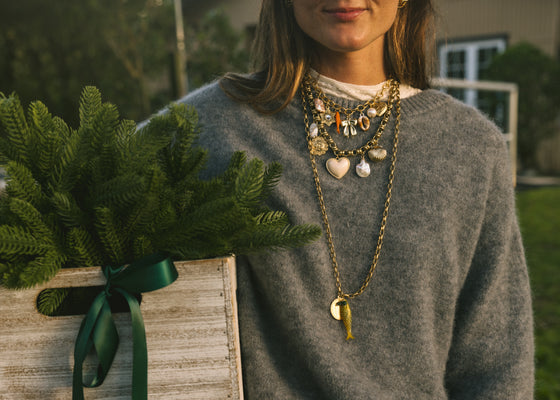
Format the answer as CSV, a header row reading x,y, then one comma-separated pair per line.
x,y
471,48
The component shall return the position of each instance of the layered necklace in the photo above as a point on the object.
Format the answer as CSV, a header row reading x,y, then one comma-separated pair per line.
x,y
326,112
320,141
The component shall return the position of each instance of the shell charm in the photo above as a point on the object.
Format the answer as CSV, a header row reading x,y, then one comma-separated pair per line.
x,y
377,154
318,146
319,105
338,168
313,130
362,169
363,122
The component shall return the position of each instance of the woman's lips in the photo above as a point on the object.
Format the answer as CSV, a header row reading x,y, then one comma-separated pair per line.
x,y
345,14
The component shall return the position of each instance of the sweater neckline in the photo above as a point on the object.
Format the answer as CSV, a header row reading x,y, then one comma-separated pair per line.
x,y
334,88
419,103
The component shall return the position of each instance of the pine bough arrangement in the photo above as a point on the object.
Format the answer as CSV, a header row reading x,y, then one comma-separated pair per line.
x,y
108,194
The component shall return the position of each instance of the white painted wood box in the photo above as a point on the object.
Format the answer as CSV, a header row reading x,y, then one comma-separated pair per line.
x,y
191,331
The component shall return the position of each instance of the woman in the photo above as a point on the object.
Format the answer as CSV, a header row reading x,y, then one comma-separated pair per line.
x,y
418,288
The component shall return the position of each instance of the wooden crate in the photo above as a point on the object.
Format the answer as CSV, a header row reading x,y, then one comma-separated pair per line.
x,y
191,330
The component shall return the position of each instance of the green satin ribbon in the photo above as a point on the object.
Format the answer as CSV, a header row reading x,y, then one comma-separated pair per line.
x,y
98,330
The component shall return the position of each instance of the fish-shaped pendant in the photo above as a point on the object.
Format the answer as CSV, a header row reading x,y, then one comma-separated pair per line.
x,y
338,121
346,316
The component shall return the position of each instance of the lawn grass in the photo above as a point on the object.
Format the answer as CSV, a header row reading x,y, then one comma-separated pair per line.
x,y
539,216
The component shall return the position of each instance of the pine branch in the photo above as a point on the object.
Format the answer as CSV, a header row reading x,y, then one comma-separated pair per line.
x,y
271,177
90,102
142,246
107,231
104,141
179,159
237,161
44,140
49,300
66,207
9,274
62,129
15,133
21,183
84,248
214,222
18,240
213,216
41,269
121,191
145,215
274,238
184,116
33,219
272,218
200,247
68,169
249,184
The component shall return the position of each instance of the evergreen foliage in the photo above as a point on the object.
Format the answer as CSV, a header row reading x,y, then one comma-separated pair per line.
x,y
107,194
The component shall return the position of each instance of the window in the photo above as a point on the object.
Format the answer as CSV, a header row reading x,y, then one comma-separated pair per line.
x,y
467,60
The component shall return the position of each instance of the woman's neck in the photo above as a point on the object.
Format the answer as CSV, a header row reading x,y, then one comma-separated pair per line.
x,y
353,67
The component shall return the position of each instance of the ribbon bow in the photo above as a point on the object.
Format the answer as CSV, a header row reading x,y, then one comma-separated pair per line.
x,y
350,127
98,330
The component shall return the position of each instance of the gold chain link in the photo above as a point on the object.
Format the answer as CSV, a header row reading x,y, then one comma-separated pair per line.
x,y
394,96
331,105
308,89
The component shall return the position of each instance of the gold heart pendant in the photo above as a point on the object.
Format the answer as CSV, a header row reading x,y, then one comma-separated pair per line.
x,y
338,168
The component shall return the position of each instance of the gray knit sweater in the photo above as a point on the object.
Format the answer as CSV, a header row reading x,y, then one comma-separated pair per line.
x,y
447,314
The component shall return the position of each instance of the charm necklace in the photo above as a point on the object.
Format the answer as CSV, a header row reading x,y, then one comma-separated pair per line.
x,y
320,140
340,308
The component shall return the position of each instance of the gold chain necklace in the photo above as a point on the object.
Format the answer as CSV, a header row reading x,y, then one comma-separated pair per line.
x,y
326,106
320,140
340,308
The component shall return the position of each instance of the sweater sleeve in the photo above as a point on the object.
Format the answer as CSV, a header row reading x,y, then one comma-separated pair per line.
x,y
491,355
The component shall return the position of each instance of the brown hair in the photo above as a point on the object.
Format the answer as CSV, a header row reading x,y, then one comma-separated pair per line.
x,y
282,53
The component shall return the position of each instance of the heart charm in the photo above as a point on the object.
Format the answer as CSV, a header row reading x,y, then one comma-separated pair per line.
x,y
380,108
338,168
377,154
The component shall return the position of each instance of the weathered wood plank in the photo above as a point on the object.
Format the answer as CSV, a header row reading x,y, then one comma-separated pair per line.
x,y
191,331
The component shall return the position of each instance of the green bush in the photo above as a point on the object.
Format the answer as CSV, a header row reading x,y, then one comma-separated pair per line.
x,y
538,78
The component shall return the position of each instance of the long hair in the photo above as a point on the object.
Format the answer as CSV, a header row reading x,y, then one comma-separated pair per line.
x,y
282,53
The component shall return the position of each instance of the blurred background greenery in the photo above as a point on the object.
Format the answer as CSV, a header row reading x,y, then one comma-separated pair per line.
x,y
539,217
128,49
51,50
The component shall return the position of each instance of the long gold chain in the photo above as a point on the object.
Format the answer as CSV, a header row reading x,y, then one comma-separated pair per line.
x,y
370,144
395,94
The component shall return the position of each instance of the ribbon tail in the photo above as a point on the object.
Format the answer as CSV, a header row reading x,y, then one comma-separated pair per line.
x,y
105,342
139,349
97,331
